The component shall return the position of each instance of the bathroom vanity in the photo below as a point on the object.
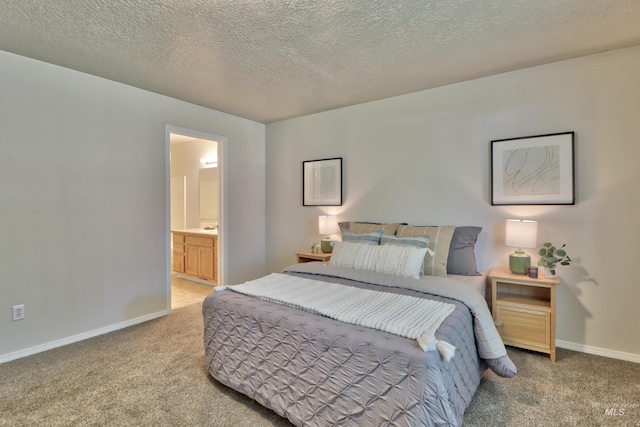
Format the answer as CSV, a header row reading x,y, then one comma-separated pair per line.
x,y
195,253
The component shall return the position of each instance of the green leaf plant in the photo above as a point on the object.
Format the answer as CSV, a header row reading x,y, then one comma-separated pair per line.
x,y
550,256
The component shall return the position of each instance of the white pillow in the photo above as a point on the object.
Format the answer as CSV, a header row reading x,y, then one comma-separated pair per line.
x,y
390,259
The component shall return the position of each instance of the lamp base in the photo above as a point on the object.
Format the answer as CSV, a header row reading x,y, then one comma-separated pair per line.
x,y
519,262
325,246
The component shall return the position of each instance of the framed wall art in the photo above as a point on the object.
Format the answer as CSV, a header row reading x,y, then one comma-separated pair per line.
x,y
322,182
533,170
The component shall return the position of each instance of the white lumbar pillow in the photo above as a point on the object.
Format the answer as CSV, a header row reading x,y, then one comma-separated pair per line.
x,y
389,259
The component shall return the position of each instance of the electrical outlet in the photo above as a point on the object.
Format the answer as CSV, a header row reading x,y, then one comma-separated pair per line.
x,y
18,312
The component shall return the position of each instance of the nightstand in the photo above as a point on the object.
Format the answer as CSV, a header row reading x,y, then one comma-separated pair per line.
x,y
525,310
308,256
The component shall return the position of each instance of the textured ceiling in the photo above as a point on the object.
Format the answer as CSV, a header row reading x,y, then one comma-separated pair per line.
x,y
268,60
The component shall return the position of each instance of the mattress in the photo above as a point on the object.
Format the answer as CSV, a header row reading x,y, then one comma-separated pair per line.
x,y
479,283
314,370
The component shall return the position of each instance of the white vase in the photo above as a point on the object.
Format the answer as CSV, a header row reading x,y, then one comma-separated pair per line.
x,y
547,273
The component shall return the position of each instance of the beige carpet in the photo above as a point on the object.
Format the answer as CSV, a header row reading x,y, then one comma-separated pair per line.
x,y
154,375
578,390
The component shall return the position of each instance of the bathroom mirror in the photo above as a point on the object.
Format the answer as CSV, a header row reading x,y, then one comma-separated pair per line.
x,y
209,194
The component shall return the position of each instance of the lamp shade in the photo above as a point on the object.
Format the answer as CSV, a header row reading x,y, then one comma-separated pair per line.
x,y
327,224
521,233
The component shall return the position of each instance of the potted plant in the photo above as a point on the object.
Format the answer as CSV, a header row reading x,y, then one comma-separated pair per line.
x,y
550,256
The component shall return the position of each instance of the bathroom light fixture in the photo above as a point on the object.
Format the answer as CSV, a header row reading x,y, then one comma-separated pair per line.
x,y
209,161
327,224
520,234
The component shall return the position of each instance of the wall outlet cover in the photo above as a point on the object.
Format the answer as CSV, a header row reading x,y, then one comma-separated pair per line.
x,y
18,312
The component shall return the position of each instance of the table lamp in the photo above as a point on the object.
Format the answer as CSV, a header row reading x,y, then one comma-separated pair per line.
x,y
520,233
328,224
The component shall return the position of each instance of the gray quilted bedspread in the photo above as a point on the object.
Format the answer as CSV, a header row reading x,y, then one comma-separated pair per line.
x,y
316,371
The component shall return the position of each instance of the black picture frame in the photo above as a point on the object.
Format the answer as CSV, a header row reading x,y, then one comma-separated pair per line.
x,y
533,170
322,182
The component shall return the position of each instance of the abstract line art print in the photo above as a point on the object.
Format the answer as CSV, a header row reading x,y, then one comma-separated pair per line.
x,y
533,170
529,171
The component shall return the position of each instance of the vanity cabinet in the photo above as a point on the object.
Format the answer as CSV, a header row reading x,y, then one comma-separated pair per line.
x,y
178,252
195,254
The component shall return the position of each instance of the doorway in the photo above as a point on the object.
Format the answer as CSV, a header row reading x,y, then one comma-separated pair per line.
x,y
195,201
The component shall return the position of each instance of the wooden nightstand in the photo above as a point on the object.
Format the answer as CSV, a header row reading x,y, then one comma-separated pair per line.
x,y
307,256
525,310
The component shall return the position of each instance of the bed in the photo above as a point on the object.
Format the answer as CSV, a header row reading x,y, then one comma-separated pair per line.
x,y
316,370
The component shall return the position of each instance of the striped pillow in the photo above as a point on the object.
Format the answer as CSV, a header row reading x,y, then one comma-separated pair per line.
x,y
389,259
368,227
418,241
366,238
439,242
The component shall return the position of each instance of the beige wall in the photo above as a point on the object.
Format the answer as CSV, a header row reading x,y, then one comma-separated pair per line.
x,y
83,212
424,158
83,202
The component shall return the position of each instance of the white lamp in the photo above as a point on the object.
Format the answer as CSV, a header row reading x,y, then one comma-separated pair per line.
x,y
327,224
520,233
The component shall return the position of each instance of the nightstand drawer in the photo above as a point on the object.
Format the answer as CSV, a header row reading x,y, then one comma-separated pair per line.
x,y
526,328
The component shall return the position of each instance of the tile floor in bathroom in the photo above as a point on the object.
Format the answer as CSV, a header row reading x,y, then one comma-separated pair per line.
x,y
185,292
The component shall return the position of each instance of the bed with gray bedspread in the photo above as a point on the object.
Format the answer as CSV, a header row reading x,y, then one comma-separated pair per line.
x,y
317,371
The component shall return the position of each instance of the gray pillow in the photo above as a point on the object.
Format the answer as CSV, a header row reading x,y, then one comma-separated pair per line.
x,y
462,257
502,366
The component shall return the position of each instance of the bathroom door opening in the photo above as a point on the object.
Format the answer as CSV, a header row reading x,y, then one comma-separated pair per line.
x,y
192,157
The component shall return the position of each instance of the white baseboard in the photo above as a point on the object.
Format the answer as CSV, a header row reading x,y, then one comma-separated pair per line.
x,y
598,351
79,337
211,283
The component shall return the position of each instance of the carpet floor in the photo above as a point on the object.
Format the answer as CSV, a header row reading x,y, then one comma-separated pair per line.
x,y
154,374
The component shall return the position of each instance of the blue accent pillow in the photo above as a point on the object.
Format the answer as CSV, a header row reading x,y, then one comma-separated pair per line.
x,y
366,238
418,242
